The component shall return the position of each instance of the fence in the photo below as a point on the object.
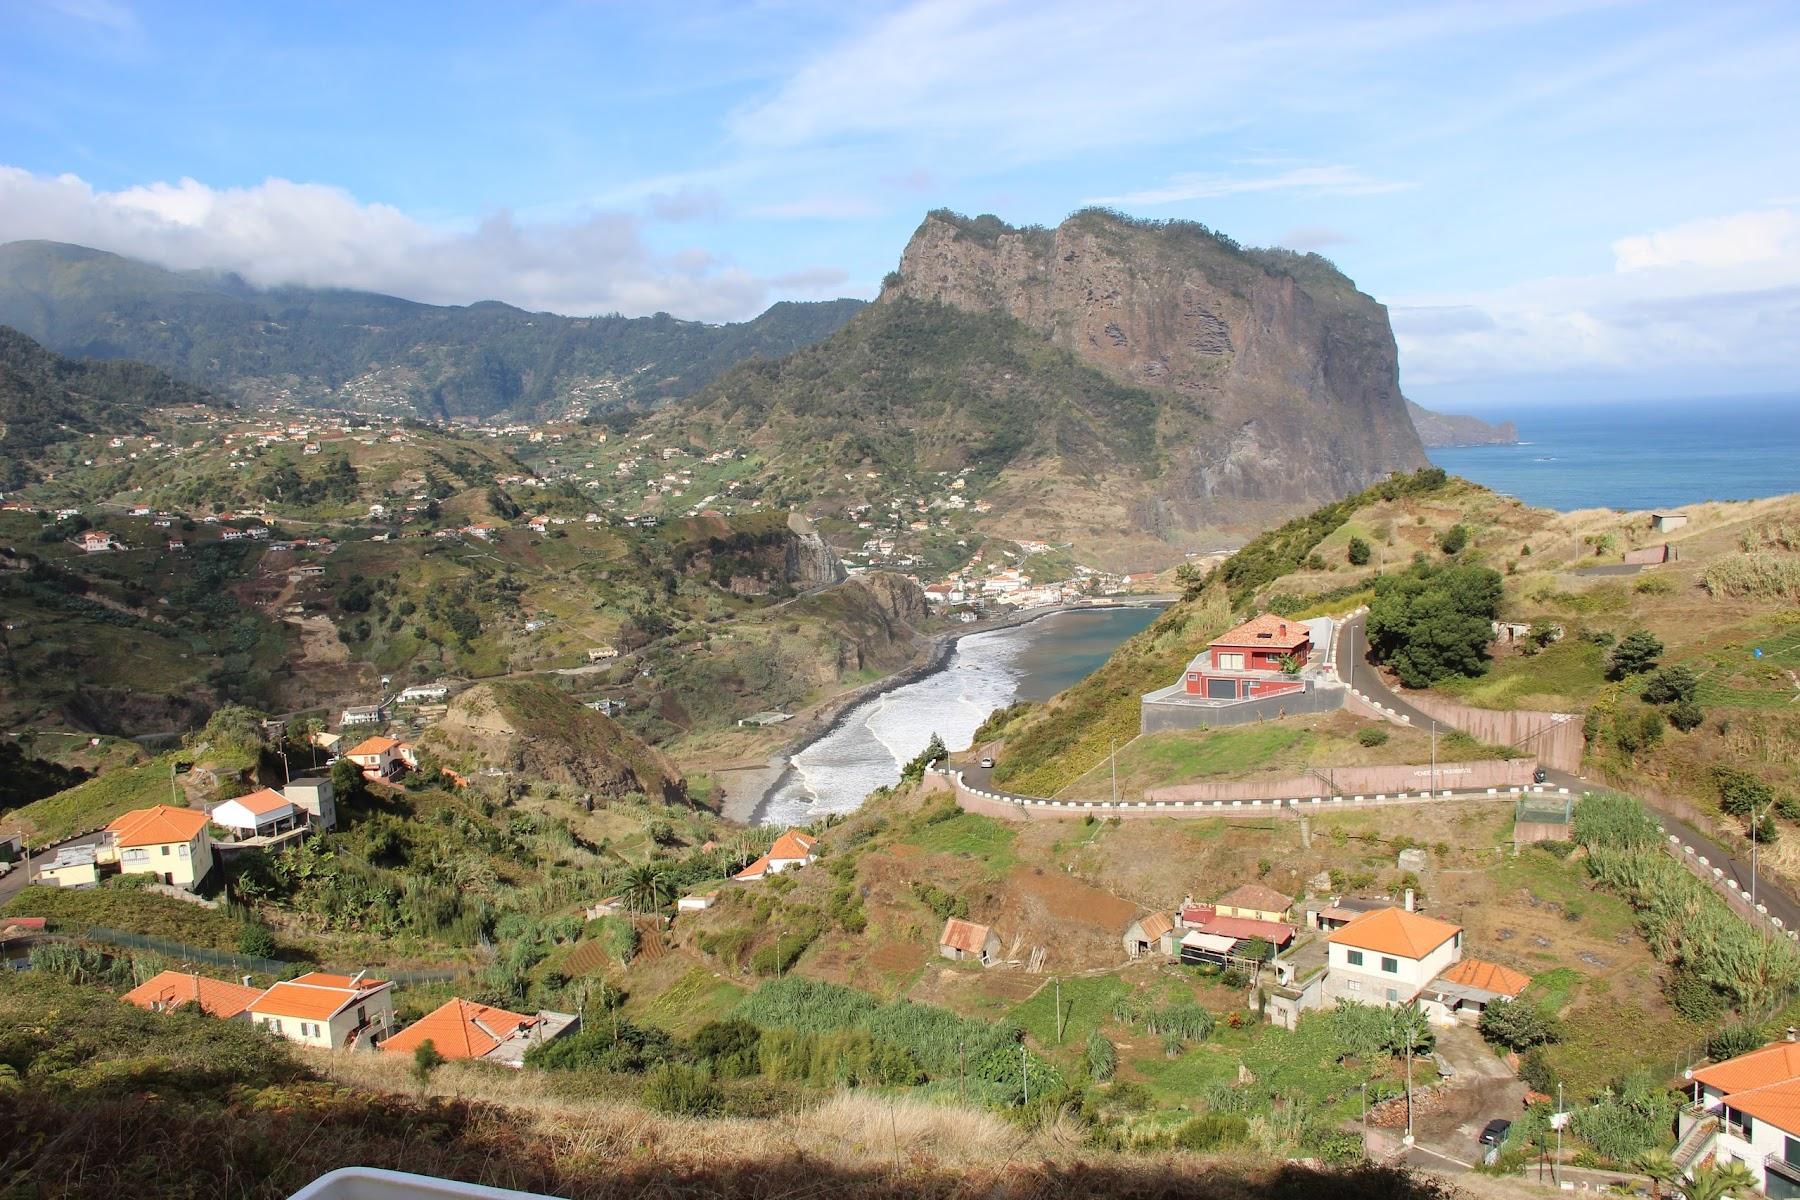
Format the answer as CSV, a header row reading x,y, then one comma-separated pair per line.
x,y
245,964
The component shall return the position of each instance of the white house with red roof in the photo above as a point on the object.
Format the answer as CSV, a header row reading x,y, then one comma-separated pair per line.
x,y
1388,956
337,1012
792,849
379,757
263,813
173,844
463,1029
1746,1110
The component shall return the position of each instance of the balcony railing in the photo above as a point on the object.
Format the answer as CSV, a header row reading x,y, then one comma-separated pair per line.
x,y
1782,1167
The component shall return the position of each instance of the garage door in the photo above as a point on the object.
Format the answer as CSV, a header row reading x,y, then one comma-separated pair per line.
x,y
1221,689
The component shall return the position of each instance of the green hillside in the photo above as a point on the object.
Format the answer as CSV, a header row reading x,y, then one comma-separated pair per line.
x,y
312,344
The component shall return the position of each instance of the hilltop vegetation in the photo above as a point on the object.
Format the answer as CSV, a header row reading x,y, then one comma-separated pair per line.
x,y
357,349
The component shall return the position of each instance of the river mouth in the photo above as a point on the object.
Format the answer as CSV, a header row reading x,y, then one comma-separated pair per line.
x,y
867,747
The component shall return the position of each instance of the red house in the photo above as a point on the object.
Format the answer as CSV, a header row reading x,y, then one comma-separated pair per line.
x,y
1245,663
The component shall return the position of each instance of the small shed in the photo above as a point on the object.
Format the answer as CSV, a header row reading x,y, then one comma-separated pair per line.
x,y
963,940
73,866
1212,948
698,902
1667,522
1152,934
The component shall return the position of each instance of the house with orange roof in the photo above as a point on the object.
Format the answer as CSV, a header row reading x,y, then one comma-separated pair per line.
x,y
1466,989
1746,1110
170,990
337,1012
1255,901
1388,956
263,813
379,757
463,1029
792,849
965,940
173,844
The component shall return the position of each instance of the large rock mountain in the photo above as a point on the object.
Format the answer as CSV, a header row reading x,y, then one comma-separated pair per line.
x,y
46,399
360,349
1132,387
1457,429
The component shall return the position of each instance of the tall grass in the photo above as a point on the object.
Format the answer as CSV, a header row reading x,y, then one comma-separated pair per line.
x,y
937,1039
1757,575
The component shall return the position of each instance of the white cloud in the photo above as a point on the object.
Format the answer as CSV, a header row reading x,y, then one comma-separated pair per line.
x,y
1718,298
302,233
1314,237
1310,181
1752,237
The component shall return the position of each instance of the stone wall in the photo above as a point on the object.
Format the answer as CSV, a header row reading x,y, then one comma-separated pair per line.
x,y
1366,781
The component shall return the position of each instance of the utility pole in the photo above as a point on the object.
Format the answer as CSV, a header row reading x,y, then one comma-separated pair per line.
x,y
1556,1171
1059,1011
174,791
1115,770
1365,1110
1434,756
1409,1054
962,1067
1024,1076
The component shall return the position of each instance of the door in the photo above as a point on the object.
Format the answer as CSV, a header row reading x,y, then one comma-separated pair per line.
x,y
1221,689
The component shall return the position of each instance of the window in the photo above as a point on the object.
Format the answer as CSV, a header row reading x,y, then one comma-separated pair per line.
x,y
1354,985
1390,965
1355,957
183,852
136,856
1231,662
1790,1153
165,851
1393,996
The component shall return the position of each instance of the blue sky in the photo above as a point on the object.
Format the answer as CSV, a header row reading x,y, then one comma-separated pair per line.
x,y
1556,199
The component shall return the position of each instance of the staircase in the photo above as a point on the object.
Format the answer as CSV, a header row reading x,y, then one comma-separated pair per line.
x,y
1694,1142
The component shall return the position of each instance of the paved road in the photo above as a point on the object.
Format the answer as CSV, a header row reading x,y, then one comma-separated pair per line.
x,y
1354,666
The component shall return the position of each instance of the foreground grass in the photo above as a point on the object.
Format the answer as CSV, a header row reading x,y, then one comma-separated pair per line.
x,y
113,1101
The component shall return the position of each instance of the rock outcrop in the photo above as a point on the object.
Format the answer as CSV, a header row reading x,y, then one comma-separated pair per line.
x,y
811,562
1454,429
531,729
1279,380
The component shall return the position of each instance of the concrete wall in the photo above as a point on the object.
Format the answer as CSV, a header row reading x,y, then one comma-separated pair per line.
x,y
1554,739
1359,780
1169,717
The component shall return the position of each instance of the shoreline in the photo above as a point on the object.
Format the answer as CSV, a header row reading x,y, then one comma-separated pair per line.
x,y
748,806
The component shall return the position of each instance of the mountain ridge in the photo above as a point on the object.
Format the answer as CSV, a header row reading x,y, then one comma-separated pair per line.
x,y
339,346
1437,429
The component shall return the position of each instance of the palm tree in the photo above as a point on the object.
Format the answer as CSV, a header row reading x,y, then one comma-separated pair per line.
x,y
1408,1032
646,888
1716,1183
1737,1179
1659,1168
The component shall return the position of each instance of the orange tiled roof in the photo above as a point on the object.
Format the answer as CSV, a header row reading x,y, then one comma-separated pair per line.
x,y
755,870
171,989
792,844
158,826
373,745
966,936
1778,1104
263,801
314,996
1267,632
1489,977
1395,931
1777,1062
452,1028
1256,896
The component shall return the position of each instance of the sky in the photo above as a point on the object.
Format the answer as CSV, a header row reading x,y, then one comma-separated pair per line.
x,y
1557,201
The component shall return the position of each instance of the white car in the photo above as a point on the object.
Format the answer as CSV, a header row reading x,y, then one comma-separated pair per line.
x,y
987,760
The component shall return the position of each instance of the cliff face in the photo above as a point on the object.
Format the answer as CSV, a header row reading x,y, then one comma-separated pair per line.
x,y
1278,379
1454,429
811,563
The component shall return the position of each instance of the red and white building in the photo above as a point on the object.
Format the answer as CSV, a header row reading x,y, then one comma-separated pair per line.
x,y
791,849
1246,663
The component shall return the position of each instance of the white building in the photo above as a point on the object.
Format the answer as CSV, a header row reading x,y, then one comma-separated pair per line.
x,y
338,1012
1388,956
1747,1110
423,693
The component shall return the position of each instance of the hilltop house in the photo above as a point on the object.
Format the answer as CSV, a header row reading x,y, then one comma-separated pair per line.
x,y
962,940
169,990
1246,662
263,813
379,757
98,541
364,714
1747,1110
423,693
462,1029
791,849
1388,956
313,796
333,1011
173,844
1667,522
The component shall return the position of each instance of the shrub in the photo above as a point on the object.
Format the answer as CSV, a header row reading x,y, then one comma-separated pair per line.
x,y
612,1046
1741,793
1210,1131
1635,654
1686,715
1358,552
727,1047
683,1091
1733,1039
256,941
1372,736
1455,538
1517,1026
1102,1059
1670,685
1535,1071
1434,622
1695,998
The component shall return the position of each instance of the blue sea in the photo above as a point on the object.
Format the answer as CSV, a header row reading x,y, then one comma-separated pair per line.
x,y
1640,455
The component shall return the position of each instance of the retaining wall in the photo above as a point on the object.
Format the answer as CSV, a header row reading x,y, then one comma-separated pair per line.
x,y
1554,739
1337,781
1169,716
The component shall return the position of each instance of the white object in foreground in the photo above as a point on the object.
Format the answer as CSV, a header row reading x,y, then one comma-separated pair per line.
x,y
370,1183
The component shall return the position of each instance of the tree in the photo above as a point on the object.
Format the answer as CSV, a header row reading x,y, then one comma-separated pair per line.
x,y
1408,1033
646,888
1432,623
256,941
1358,552
1671,685
1517,1026
1455,538
1686,715
1636,653
425,1062
1658,1168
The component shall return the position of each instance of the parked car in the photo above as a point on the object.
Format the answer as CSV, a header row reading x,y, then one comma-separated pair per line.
x,y
1494,1132
1540,776
987,760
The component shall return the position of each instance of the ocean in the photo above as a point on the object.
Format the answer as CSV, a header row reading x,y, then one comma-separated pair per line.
x,y
986,671
1640,456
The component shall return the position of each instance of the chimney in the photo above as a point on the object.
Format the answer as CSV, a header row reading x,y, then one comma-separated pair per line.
x,y
246,981
1793,1035
1409,900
